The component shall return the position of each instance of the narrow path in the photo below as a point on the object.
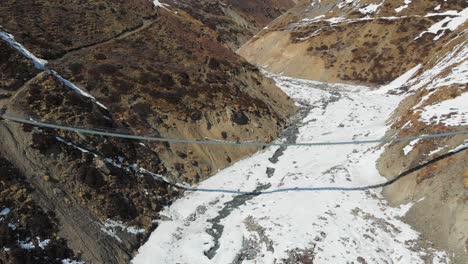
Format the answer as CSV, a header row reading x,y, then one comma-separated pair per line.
x,y
328,227
147,22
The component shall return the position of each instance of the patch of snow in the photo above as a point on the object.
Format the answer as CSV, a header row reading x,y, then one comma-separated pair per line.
x,y
340,20
453,112
75,146
157,4
76,88
43,243
462,146
370,9
12,226
404,208
343,3
5,211
439,258
406,125
449,23
111,233
117,164
71,261
315,18
401,8
113,162
134,167
38,63
26,245
29,245
458,75
424,98
446,13
409,147
154,175
41,65
110,227
454,18
435,151
437,8
335,20
135,230
451,69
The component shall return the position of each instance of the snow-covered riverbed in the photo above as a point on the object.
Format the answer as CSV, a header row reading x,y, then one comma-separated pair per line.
x,y
301,225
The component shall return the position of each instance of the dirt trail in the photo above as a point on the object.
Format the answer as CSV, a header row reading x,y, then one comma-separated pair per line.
x,y
147,22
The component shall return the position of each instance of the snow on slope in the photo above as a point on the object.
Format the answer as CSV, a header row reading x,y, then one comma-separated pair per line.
x,y
157,3
409,147
38,63
401,8
217,226
370,9
450,70
447,24
41,64
453,112
452,20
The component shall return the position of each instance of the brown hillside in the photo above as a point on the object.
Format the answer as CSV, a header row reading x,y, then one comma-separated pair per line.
x,y
337,42
159,72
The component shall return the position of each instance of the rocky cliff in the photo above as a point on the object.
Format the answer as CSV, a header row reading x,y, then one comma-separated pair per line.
x,y
140,67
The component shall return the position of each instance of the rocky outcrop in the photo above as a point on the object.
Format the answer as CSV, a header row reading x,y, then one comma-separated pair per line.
x,y
151,71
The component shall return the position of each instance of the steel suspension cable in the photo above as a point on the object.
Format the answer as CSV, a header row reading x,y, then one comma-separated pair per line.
x,y
221,142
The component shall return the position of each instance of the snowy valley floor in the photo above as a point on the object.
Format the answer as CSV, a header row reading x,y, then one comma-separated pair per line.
x,y
301,225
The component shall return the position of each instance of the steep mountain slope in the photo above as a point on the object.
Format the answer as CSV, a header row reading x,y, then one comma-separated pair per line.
x,y
423,43
84,181
200,89
370,42
235,21
128,66
52,28
436,101
28,230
